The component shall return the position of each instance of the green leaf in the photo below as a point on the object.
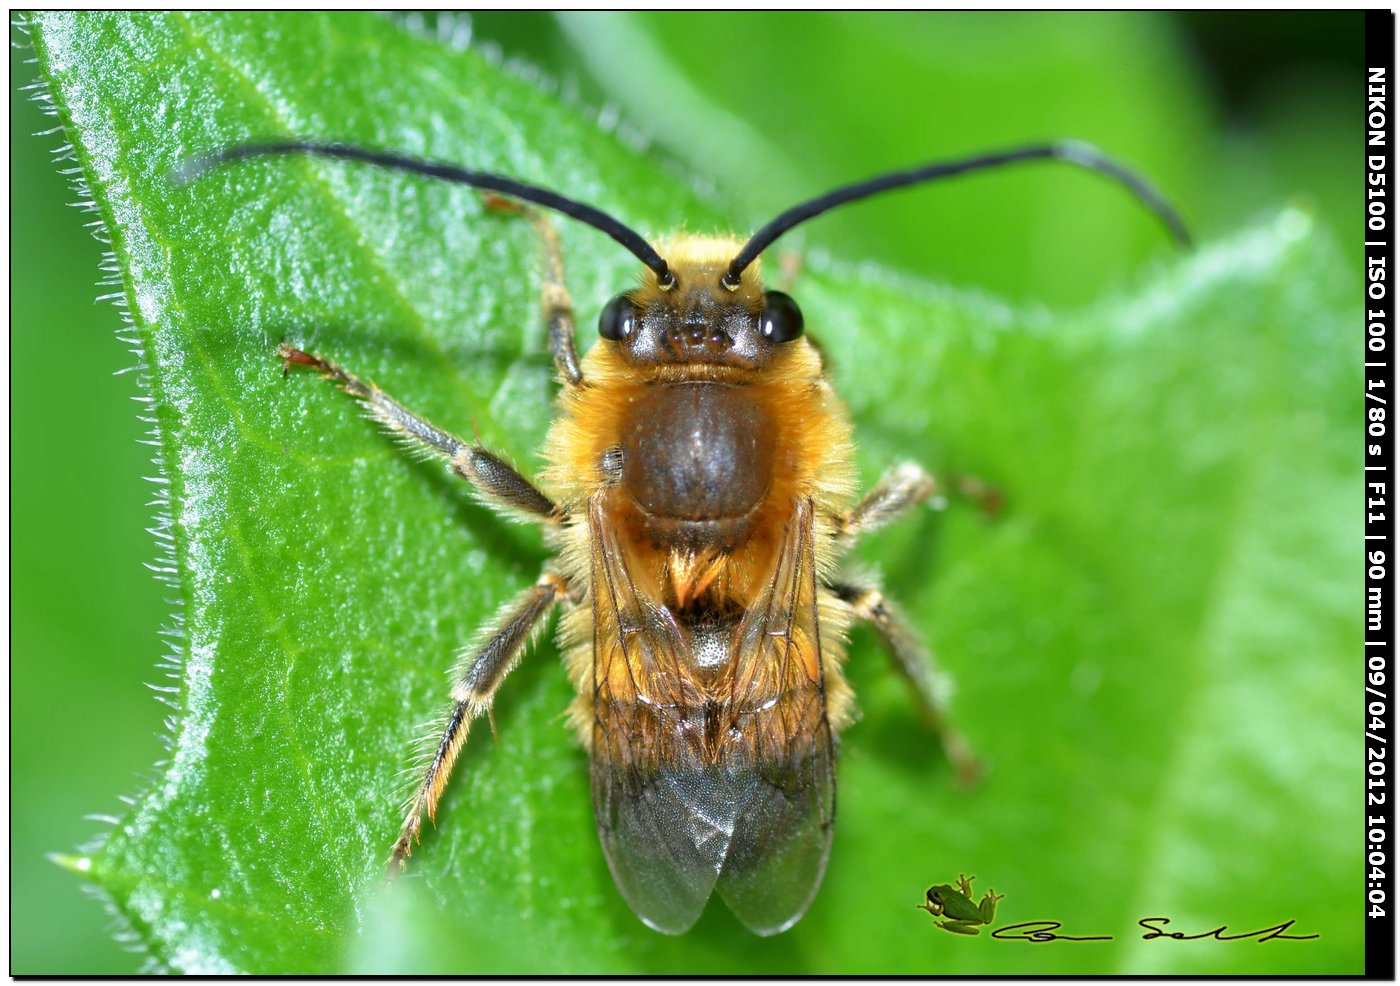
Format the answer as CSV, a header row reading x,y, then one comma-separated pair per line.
x,y
1154,642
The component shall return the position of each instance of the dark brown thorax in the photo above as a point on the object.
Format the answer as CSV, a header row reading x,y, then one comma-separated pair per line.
x,y
697,459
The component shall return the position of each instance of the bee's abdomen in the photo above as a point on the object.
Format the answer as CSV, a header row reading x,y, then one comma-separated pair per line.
x,y
697,457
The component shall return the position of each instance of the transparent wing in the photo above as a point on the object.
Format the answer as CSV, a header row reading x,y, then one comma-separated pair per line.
x,y
710,777
780,740
648,765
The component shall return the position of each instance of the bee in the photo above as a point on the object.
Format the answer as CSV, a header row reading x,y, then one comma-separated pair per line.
x,y
699,493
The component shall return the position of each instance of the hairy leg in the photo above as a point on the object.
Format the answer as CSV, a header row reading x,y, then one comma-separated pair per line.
x,y
494,479
918,666
555,303
903,487
479,676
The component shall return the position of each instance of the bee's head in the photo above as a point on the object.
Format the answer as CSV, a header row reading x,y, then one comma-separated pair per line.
x,y
692,315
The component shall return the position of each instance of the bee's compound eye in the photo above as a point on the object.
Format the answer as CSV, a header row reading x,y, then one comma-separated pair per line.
x,y
619,319
781,319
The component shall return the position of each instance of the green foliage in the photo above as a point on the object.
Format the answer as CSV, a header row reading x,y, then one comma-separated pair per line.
x,y
1153,643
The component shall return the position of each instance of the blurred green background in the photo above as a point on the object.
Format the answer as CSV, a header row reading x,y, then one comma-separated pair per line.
x,y
1233,114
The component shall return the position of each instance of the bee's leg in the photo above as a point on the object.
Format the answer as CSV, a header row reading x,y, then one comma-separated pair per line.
x,y
555,303
918,666
493,478
903,487
479,675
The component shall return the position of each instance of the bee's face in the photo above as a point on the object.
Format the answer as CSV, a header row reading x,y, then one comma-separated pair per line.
x,y
696,319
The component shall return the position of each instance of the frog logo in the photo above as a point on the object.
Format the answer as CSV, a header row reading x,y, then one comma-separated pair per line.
x,y
954,905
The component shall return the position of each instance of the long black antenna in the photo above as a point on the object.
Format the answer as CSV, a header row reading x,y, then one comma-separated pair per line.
x,y
1071,151
194,167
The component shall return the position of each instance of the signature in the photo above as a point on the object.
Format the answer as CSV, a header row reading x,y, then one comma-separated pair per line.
x,y
1048,931
1041,931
